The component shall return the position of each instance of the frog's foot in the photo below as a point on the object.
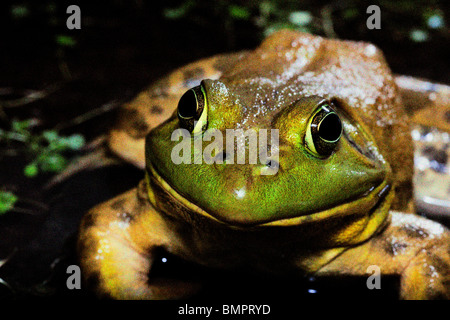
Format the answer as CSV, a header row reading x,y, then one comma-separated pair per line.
x,y
427,275
117,245
414,248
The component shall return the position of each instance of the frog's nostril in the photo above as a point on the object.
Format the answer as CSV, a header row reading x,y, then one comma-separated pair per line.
x,y
363,148
223,156
272,164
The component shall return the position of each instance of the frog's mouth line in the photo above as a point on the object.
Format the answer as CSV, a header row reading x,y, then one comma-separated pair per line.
x,y
375,203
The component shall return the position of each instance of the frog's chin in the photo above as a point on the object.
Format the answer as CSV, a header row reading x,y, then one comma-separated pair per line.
x,y
372,208
152,176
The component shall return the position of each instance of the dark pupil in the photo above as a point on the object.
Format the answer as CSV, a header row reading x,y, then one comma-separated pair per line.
x,y
187,106
330,127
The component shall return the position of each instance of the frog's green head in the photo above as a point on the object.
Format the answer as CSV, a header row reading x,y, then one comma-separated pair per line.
x,y
325,163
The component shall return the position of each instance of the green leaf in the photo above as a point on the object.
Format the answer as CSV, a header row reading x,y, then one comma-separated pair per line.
x,y
45,148
7,201
65,41
300,18
19,11
31,170
179,12
34,146
350,13
436,21
21,126
75,142
53,162
50,135
239,12
59,145
266,7
418,35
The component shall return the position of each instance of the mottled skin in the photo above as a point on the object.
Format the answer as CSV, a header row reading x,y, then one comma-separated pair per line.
x,y
320,216
427,103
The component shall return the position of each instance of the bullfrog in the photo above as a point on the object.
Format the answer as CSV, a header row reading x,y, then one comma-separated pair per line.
x,y
336,200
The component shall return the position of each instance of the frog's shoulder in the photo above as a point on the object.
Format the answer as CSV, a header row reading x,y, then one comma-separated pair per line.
x,y
156,103
426,102
413,226
409,235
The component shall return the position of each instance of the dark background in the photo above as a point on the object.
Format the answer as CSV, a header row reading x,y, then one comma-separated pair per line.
x,y
72,81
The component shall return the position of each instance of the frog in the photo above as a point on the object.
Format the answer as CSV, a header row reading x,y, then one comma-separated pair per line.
x,y
339,201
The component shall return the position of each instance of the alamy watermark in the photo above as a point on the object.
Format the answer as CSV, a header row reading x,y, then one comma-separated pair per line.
x,y
74,278
374,20
74,20
374,280
225,149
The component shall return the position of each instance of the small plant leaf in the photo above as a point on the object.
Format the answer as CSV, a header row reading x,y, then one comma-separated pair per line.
x,y
50,135
238,12
31,170
21,126
65,41
75,141
300,18
179,12
53,162
19,11
7,201
418,35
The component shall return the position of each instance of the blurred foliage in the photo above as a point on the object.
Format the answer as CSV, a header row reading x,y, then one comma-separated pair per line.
x,y
65,41
204,27
7,201
45,149
405,17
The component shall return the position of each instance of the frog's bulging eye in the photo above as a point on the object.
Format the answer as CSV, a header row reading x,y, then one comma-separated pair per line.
x,y
192,110
330,127
324,131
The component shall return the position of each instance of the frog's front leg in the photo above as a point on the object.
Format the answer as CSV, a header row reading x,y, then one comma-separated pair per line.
x,y
414,248
117,244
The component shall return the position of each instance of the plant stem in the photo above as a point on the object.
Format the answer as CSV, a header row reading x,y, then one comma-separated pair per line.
x,y
34,203
88,115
